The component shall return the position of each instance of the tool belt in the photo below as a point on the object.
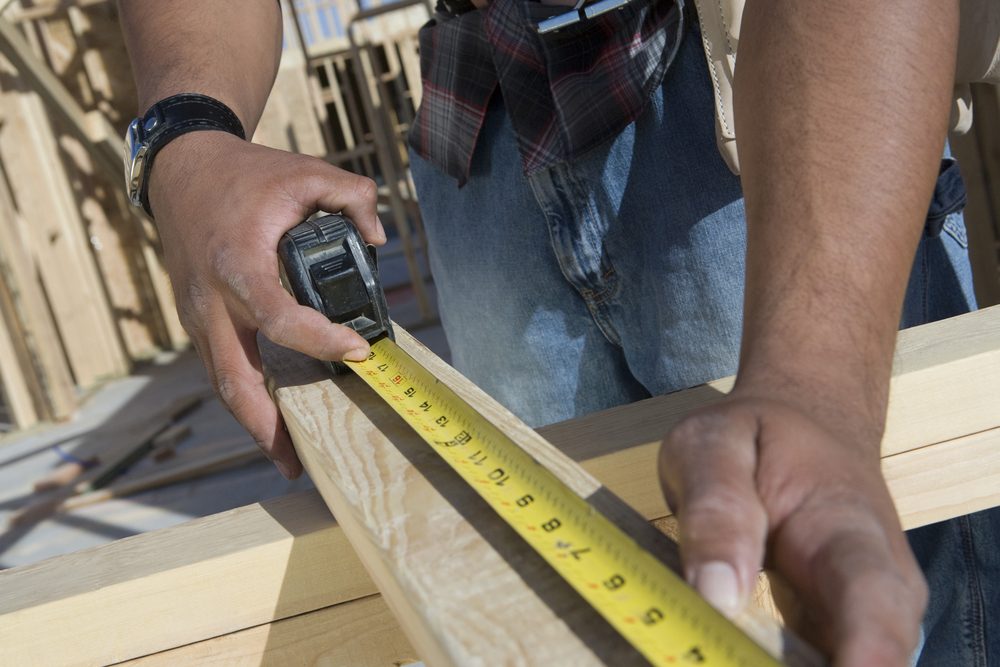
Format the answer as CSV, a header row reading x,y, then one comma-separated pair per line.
x,y
978,61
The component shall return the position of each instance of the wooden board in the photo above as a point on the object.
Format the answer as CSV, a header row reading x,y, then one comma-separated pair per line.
x,y
944,387
288,122
107,150
86,51
362,633
302,562
464,587
89,70
945,381
34,337
15,385
179,585
222,456
945,480
958,479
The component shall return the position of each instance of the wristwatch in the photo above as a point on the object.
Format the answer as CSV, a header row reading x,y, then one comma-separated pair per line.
x,y
165,121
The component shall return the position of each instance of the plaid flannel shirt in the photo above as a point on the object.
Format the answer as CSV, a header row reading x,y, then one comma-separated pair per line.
x,y
565,92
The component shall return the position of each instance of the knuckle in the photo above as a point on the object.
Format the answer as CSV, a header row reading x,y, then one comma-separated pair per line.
x,y
193,307
197,301
365,189
302,169
232,276
220,259
719,503
275,325
701,426
230,387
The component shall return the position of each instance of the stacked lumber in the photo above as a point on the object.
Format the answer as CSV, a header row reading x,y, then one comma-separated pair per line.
x,y
279,582
448,567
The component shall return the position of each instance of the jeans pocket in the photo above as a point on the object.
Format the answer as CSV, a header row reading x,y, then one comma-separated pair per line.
x,y
949,197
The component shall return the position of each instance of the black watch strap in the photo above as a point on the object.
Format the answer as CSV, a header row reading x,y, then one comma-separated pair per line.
x,y
176,115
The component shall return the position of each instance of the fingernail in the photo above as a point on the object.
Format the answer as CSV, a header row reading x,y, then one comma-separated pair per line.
x,y
717,583
379,228
283,469
360,354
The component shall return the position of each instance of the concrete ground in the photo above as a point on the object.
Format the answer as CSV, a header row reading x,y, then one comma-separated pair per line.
x,y
120,409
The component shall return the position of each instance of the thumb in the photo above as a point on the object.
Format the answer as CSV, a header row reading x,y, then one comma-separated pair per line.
x,y
707,469
300,328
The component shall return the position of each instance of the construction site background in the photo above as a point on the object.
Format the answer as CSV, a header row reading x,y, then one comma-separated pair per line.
x,y
83,294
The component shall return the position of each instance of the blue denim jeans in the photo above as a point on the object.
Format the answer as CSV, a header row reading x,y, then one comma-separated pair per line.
x,y
619,275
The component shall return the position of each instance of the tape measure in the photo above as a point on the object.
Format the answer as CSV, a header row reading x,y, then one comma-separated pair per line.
x,y
645,601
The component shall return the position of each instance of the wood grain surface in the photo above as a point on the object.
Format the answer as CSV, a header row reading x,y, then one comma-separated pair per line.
x,y
464,587
188,583
360,633
178,585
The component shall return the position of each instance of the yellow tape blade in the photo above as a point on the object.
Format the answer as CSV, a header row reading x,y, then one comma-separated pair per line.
x,y
646,602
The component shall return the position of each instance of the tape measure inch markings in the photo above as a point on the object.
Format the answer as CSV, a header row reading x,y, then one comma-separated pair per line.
x,y
647,603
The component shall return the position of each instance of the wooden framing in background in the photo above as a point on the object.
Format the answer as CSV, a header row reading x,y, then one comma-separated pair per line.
x,y
35,374
71,54
88,293
55,232
124,243
941,444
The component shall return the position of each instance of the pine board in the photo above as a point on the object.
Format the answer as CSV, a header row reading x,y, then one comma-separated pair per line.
x,y
131,590
464,587
179,585
945,480
945,386
361,633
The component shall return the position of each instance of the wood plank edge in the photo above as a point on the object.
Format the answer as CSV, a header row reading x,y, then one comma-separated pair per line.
x,y
360,632
178,585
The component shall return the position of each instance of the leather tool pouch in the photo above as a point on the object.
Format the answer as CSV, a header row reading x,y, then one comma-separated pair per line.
x,y
978,61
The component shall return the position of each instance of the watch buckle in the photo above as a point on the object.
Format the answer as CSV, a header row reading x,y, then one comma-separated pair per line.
x,y
135,150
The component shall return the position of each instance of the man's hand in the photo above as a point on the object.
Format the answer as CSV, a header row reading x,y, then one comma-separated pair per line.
x,y
221,205
750,472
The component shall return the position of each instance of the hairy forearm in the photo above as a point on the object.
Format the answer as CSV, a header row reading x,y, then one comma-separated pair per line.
x,y
841,113
226,49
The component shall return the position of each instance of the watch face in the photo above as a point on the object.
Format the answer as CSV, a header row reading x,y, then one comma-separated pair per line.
x,y
135,161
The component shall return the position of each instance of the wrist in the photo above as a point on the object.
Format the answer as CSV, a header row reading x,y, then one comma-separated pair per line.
x,y
164,122
852,407
189,164
827,353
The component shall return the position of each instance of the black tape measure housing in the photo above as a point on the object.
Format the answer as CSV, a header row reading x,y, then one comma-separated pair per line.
x,y
326,265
